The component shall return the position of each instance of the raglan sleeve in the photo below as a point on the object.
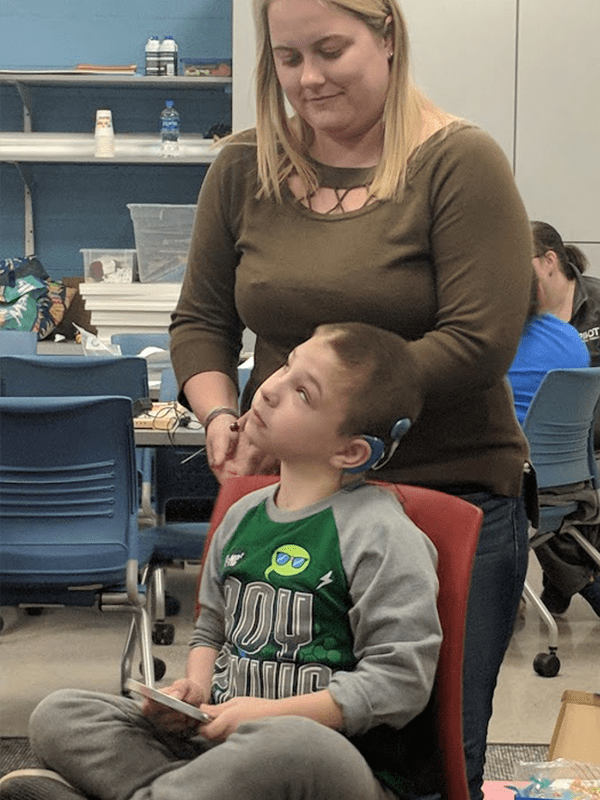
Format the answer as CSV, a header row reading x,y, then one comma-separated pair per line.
x,y
391,570
209,626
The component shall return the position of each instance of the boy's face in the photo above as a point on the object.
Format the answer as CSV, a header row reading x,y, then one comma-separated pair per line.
x,y
296,414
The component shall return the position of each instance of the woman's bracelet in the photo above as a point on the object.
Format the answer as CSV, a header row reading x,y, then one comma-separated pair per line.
x,y
216,412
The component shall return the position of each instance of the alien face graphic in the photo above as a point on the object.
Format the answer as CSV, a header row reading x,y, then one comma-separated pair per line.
x,y
288,560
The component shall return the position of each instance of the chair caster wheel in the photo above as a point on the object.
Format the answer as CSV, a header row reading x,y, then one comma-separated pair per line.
x,y
546,664
163,633
159,668
172,605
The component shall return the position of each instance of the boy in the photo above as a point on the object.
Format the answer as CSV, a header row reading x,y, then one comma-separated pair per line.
x,y
318,636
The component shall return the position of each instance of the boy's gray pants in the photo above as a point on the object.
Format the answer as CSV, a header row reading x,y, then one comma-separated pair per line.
x,y
108,750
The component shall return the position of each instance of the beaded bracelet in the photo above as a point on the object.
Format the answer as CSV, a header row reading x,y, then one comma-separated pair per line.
x,y
216,412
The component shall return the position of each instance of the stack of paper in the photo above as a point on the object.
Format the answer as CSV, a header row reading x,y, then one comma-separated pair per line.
x,y
130,307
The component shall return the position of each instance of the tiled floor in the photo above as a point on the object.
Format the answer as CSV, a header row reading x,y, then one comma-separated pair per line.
x,y
81,648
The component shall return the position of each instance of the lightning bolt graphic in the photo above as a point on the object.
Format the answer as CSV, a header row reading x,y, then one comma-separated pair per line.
x,y
325,580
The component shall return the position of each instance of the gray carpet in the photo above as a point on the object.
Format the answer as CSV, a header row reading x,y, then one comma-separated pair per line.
x,y
16,754
501,758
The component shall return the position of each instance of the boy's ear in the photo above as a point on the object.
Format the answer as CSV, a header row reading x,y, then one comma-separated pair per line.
x,y
356,453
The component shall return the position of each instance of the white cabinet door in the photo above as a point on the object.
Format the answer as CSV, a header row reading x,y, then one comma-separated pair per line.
x,y
464,55
243,47
558,115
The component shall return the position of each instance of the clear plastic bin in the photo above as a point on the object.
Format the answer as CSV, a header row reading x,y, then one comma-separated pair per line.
x,y
103,265
162,238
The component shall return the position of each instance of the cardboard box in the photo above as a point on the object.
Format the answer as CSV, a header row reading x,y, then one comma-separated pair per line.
x,y
577,731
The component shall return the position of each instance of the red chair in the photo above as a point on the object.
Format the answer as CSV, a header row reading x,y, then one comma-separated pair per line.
x,y
453,526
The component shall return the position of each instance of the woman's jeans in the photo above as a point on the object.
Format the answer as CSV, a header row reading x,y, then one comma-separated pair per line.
x,y
496,587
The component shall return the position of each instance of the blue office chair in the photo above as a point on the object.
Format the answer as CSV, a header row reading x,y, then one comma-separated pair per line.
x,y
67,376
169,390
168,386
69,512
559,427
184,479
189,485
181,478
17,343
132,344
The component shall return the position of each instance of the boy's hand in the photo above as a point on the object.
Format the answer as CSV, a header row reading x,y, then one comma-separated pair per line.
x,y
229,715
173,721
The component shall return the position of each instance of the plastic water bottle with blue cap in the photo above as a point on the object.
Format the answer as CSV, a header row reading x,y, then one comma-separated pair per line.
x,y
169,130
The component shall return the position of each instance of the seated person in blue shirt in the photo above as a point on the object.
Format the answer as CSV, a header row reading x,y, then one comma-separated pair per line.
x,y
317,643
547,343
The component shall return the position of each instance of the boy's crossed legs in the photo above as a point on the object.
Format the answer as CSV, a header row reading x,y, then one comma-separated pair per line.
x,y
108,750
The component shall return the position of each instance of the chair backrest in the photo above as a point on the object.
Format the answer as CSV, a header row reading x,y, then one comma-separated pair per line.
x,y
453,526
185,486
132,344
68,376
559,426
168,386
67,491
18,342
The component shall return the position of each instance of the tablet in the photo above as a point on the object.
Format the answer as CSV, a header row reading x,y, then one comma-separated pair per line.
x,y
166,700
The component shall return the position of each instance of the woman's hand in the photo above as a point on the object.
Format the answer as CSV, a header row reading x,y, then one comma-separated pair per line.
x,y
221,443
226,717
174,721
230,453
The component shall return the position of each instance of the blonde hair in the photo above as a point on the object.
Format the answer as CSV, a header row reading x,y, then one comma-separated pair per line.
x,y
283,142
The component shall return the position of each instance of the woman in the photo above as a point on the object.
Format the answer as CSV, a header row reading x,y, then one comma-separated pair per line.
x,y
547,343
569,295
574,298
371,204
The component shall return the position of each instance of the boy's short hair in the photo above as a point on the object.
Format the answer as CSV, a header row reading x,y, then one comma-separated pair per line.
x,y
385,385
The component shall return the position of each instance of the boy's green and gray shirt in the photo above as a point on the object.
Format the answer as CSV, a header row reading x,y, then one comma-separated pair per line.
x,y
339,595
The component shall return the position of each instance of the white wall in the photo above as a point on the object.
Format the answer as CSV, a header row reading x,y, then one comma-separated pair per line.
x,y
244,58
558,157
463,55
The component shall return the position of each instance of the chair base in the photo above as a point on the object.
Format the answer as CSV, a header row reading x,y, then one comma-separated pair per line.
x,y
545,664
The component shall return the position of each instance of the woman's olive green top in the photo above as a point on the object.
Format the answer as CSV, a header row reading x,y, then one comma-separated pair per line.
x,y
449,268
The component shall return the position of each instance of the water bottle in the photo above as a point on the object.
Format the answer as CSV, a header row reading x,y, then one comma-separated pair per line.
x,y
169,130
168,56
152,55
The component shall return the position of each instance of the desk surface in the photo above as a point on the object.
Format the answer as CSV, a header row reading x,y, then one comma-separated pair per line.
x,y
50,348
192,437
